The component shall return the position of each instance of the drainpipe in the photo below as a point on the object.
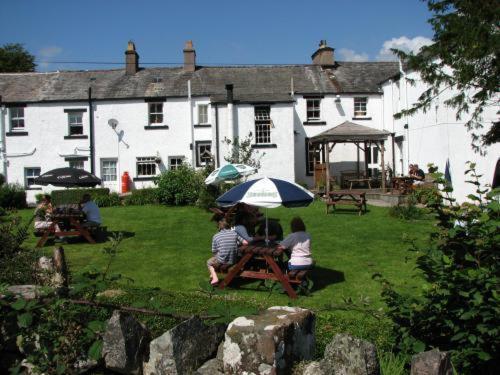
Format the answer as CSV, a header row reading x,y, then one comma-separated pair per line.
x,y
193,148
3,148
91,134
406,126
230,114
217,156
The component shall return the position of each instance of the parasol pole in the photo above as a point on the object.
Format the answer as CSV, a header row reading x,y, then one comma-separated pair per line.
x,y
267,230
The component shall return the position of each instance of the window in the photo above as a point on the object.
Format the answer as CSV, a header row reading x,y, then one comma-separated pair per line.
x,y
360,106
155,113
78,164
29,175
16,118
146,166
313,111
203,114
108,170
75,122
203,153
175,162
262,124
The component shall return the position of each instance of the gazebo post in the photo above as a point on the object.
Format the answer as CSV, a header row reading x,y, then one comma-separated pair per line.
x,y
327,167
382,152
357,158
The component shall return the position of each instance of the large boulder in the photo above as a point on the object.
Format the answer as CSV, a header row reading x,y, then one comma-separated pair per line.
x,y
347,355
432,362
125,344
269,343
211,367
184,348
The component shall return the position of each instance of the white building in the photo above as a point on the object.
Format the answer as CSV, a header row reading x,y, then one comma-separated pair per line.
x,y
164,116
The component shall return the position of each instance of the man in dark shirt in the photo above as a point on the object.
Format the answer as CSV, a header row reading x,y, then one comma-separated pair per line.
x,y
418,175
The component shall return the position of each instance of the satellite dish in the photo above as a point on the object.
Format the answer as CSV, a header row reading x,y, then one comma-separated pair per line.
x,y
113,123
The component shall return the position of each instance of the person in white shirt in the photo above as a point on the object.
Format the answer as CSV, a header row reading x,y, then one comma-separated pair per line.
x,y
299,244
91,211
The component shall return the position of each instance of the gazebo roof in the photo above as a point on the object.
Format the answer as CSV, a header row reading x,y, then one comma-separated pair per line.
x,y
350,132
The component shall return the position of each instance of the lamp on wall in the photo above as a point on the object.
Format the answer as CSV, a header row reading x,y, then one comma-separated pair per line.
x,y
337,99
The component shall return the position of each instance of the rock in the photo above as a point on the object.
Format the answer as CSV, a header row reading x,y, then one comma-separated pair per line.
x,y
347,355
125,344
184,348
84,365
432,362
269,343
26,291
313,368
211,367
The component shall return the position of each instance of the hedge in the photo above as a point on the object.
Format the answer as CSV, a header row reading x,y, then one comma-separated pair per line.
x,y
12,196
73,196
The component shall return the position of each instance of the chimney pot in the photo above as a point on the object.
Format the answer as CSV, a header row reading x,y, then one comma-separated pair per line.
x,y
189,57
323,55
131,59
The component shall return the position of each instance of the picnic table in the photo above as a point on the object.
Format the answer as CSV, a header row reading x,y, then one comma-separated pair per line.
x,y
71,220
365,181
353,197
263,262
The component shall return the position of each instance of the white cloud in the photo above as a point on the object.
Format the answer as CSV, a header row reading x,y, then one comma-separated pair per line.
x,y
403,43
46,54
351,55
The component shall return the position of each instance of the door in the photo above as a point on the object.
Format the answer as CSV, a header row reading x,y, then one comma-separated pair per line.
x,y
109,174
372,160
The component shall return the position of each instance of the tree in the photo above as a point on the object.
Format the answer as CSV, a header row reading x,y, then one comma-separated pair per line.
x,y
464,56
242,152
14,59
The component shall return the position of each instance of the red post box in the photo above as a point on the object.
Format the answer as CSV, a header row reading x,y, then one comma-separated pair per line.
x,y
125,182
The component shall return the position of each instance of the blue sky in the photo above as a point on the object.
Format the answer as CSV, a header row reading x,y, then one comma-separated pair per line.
x,y
223,32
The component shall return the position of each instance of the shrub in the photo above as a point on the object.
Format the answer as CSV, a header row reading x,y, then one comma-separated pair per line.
x,y
179,187
73,196
458,309
12,196
141,197
2,179
113,199
427,195
408,211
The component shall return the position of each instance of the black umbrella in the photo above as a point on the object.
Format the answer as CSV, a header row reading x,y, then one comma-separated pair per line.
x,y
68,177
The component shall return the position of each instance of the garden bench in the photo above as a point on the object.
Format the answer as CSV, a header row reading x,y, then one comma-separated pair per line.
x,y
297,276
351,197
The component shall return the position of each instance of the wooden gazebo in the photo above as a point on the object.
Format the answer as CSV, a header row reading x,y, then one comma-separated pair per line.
x,y
349,132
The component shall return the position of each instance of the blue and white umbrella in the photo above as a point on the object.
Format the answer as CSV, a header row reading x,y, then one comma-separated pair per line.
x,y
229,172
268,193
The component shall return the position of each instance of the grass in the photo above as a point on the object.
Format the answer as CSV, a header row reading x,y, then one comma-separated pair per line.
x,y
167,247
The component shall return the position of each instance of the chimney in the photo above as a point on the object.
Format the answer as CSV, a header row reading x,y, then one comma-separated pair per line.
x,y
229,93
189,57
323,55
131,59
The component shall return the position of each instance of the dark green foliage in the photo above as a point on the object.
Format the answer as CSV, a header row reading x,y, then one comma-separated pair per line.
x,y
180,186
407,211
459,306
467,40
74,196
427,195
12,196
15,59
140,197
113,199
2,179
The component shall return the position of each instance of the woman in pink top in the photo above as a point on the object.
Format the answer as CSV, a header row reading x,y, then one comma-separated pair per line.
x,y
299,243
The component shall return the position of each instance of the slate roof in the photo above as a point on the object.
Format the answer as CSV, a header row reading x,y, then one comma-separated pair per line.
x,y
251,83
351,132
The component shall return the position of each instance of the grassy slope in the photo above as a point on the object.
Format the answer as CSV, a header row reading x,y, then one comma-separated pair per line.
x,y
168,247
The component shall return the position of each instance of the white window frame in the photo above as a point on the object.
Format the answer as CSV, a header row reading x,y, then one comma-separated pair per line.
x,y
360,106
73,122
155,115
16,114
27,185
199,144
146,161
312,107
71,164
263,124
174,166
203,118
104,170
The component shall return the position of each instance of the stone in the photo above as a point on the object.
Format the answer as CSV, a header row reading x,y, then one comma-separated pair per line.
x,y
211,367
125,344
26,291
84,365
347,355
432,362
269,343
313,368
184,348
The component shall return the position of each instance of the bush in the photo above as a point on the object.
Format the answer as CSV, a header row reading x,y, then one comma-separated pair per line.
x,y
2,179
113,199
408,211
12,196
427,195
458,309
73,196
179,187
140,197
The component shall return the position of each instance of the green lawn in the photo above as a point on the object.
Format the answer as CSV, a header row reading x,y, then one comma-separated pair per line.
x,y
167,247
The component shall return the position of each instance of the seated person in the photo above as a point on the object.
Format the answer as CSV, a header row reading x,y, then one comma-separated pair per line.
x,y
91,211
275,231
299,244
224,249
417,175
43,213
242,224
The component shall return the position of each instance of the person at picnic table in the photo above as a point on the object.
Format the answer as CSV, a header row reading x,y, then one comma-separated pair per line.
x,y
298,244
274,229
242,224
224,249
91,211
43,213
417,175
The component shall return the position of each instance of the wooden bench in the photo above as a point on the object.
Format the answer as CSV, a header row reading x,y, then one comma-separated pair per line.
x,y
297,276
